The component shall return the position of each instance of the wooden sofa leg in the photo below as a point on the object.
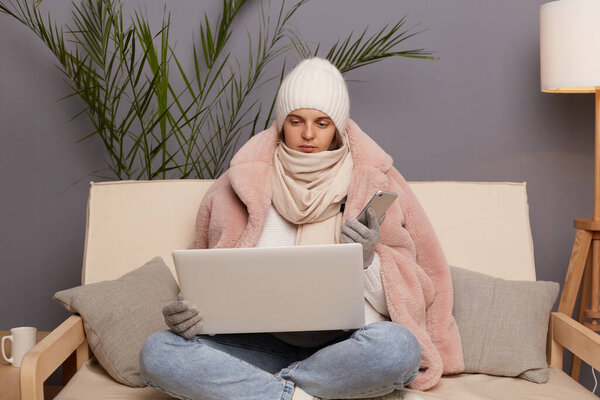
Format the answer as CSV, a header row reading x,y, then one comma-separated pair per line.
x,y
34,389
584,298
49,354
555,349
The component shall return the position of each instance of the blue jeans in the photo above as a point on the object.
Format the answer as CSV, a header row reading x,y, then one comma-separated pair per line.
x,y
368,362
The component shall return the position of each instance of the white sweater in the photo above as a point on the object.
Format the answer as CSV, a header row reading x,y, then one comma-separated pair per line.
x,y
280,232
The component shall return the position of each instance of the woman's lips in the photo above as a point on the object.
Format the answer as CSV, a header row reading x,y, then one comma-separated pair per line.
x,y
308,149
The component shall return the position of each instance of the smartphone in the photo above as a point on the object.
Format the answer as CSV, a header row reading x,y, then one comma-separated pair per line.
x,y
380,203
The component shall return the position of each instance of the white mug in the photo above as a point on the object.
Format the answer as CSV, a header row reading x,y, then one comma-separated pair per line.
x,y
23,339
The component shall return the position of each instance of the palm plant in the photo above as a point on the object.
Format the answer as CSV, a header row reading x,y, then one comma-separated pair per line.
x,y
125,73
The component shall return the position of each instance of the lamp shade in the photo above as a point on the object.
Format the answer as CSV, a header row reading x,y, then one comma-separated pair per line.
x,y
570,46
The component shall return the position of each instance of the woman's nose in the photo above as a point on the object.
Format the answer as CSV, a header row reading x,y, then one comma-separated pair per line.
x,y
308,132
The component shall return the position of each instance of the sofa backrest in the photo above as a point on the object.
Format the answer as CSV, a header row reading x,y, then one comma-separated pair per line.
x,y
482,226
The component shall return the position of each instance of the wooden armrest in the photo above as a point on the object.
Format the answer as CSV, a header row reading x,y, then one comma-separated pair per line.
x,y
46,356
580,340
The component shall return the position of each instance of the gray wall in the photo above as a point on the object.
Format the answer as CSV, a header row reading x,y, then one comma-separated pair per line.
x,y
477,114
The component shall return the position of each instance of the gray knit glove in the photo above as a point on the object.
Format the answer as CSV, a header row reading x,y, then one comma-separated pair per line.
x,y
355,232
183,317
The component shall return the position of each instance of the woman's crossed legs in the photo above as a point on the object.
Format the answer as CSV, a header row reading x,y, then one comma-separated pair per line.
x,y
368,362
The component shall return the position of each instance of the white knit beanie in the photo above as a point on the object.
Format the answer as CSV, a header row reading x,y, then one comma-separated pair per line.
x,y
314,83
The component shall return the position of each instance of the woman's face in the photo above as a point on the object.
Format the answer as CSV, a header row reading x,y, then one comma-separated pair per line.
x,y
308,130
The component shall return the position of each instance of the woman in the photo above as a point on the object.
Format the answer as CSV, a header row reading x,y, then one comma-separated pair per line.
x,y
303,181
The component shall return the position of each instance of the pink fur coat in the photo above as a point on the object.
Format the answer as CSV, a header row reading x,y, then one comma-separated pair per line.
x,y
415,274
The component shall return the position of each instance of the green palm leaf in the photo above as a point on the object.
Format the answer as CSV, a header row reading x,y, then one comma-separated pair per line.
x,y
121,69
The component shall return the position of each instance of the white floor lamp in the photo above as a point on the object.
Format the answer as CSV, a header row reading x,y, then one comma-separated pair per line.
x,y
570,63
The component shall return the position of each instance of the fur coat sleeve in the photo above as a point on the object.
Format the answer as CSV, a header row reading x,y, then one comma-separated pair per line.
x,y
222,225
418,285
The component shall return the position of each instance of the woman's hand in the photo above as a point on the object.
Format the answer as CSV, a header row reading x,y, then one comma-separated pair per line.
x,y
182,317
355,232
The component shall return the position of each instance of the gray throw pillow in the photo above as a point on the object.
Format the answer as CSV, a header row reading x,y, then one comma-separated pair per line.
x,y
503,324
118,316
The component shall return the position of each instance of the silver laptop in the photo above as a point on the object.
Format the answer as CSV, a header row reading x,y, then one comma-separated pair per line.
x,y
274,289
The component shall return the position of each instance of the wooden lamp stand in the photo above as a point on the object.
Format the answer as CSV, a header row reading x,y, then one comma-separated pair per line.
x,y
570,63
585,260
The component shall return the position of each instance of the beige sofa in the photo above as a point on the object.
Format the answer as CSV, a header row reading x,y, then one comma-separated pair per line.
x,y
129,222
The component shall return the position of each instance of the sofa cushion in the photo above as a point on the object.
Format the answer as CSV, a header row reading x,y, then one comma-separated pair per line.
x,y
559,386
503,324
119,315
92,383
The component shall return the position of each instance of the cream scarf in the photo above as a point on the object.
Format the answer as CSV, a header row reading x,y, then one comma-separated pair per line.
x,y
308,190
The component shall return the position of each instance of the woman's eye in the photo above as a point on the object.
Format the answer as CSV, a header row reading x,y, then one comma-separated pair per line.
x,y
322,124
295,122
